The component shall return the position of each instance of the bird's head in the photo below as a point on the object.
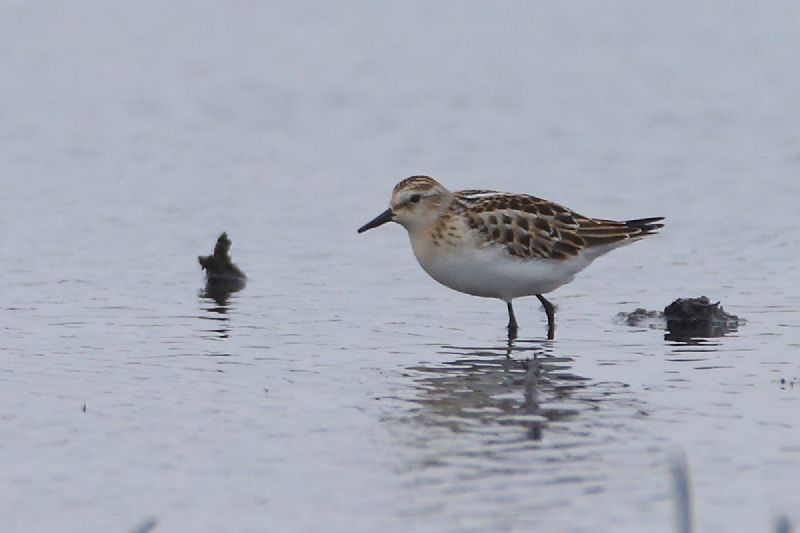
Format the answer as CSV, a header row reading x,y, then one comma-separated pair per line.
x,y
416,203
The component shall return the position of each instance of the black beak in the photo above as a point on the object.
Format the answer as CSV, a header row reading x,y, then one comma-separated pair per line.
x,y
379,220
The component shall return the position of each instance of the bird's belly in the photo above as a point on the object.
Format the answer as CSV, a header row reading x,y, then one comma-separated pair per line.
x,y
495,273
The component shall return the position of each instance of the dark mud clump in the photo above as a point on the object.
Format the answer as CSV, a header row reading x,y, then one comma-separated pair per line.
x,y
685,318
643,318
698,317
221,273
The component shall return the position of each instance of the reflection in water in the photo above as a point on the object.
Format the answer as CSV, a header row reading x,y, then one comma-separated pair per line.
x,y
216,299
694,348
516,415
696,333
488,385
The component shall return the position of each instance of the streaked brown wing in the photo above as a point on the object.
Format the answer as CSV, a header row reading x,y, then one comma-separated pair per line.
x,y
532,227
525,225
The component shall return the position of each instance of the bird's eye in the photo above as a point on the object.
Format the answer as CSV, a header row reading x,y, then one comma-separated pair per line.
x,y
414,198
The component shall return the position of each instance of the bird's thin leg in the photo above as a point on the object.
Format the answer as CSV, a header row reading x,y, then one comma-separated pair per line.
x,y
512,322
551,317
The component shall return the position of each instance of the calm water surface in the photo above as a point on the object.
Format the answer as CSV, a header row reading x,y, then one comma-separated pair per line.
x,y
343,390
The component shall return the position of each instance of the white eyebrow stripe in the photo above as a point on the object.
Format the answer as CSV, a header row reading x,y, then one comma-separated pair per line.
x,y
477,195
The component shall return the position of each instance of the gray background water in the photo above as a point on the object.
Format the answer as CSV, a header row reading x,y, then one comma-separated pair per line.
x,y
343,390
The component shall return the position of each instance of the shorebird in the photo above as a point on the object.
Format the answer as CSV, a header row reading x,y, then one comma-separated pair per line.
x,y
502,245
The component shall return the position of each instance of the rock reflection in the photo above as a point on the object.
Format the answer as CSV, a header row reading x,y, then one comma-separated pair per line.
x,y
216,304
697,335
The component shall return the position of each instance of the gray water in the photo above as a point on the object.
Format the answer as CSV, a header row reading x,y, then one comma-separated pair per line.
x,y
344,390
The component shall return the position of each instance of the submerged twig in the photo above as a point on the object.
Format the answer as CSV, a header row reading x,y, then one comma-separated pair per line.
x,y
148,524
681,489
682,494
783,524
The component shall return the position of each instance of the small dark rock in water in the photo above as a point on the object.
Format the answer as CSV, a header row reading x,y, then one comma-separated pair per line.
x,y
685,318
698,317
642,318
220,270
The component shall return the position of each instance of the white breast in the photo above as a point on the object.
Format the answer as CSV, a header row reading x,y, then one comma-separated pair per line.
x,y
492,272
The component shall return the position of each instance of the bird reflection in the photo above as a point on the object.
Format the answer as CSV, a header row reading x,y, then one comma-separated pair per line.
x,y
487,385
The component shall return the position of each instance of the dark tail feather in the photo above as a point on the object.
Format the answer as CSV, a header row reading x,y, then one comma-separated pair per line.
x,y
647,226
610,232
